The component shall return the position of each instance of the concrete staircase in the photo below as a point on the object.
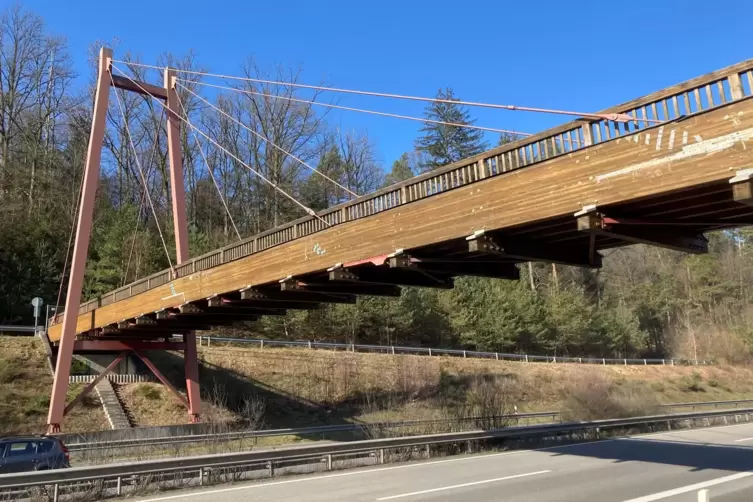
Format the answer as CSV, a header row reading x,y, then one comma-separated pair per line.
x,y
114,412
128,413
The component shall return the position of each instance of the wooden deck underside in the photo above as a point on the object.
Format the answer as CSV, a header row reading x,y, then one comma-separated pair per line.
x,y
673,177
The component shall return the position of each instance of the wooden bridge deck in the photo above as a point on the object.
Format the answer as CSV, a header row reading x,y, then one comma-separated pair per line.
x,y
660,183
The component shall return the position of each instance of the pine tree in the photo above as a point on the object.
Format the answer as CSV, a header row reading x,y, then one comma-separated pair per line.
x,y
445,144
401,171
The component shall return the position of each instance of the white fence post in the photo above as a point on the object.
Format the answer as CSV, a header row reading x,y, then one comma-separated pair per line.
x,y
644,362
393,349
464,353
261,343
209,341
625,362
429,351
496,356
526,357
604,361
309,343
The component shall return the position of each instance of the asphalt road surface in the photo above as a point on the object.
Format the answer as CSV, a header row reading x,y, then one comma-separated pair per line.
x,y
670,466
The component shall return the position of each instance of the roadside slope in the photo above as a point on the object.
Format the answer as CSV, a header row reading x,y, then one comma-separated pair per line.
x,y
25,384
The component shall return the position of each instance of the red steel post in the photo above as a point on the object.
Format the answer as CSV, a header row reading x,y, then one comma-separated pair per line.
x,y
190,358
175,156
81,246
181,233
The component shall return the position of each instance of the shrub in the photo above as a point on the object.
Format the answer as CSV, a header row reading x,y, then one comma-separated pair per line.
x,y
148,392
693,383
597,398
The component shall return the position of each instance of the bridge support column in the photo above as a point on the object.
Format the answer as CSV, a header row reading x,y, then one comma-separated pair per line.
x,y
81,245
191,363
175,157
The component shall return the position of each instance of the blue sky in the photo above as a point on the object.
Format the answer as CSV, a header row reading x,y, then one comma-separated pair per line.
x,y
584,55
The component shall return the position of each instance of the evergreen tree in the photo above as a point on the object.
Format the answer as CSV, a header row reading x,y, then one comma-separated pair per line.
x,y
401,170
444,144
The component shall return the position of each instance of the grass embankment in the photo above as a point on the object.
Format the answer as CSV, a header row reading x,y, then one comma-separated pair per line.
x,y
305,387
25,384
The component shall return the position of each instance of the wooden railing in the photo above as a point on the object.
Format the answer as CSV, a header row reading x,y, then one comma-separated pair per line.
x,y
696,95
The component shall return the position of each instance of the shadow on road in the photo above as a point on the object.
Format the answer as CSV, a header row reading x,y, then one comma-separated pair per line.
x,y
697,456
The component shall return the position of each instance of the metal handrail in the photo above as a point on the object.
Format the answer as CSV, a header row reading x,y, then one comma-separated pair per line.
x,y
396,349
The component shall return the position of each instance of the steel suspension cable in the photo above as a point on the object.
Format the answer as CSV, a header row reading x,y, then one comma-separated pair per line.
x,y
133,241
308,210
141,172
361,110
267,140
209,170
618,117
141,200
70,243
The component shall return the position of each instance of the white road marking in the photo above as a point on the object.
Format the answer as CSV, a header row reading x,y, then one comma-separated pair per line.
x,y
691,488
432,490
743,439
422,464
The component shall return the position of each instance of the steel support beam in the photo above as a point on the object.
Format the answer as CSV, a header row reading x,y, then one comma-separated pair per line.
x,y
476,268
264,295
685,240
81,243
123,345
371,275
341,288
482,244
149,364
94,383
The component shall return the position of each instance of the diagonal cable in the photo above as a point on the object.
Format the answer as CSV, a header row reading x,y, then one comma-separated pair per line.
x,y
361,110
141,172
617,117
141,201
209,170
267,140
308,210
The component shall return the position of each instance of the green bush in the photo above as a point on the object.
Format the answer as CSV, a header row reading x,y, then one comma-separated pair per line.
x,y
693,383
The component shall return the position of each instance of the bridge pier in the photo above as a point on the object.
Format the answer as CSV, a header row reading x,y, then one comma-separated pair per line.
x,y
70,327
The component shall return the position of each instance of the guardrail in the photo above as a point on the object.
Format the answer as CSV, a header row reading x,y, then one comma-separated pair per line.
x,y
12,328
353,428
322,453
430,351
693,96
303,431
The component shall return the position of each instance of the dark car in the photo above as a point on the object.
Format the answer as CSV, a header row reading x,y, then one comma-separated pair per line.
x,y
21,454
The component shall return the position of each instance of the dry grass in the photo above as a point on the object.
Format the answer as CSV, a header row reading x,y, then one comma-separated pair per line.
x,y
153,404
376,387
25,385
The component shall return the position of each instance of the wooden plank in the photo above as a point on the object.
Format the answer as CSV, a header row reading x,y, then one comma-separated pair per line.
x,y
609,172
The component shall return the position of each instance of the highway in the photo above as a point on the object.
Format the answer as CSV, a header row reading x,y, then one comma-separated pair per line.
x,y
670,466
